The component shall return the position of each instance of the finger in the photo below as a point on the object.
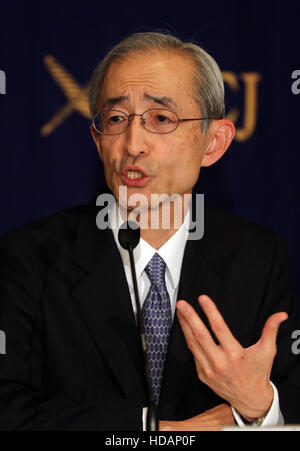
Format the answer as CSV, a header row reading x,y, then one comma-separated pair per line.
x,y
193,344
197,329
269,334
227,341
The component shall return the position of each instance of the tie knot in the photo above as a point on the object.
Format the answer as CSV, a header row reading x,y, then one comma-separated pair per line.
x,y
155,270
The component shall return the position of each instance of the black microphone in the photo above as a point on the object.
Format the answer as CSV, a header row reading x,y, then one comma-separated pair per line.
x,y
129,237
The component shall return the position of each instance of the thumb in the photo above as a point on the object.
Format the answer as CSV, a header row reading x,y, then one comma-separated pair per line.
x,y
269,334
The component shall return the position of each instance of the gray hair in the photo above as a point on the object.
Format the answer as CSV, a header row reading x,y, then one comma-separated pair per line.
x,y
208,81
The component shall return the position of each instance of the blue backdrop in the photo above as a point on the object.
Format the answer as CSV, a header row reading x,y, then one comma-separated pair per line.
x,y
47,52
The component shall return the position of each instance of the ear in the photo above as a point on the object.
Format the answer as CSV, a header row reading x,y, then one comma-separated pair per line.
x,y
219,137
96,138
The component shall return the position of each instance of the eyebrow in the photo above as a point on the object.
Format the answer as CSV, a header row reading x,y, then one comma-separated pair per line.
x,y
112,101
161,100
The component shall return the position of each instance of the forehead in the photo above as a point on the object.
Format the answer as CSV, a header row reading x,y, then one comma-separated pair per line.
x,y
165,74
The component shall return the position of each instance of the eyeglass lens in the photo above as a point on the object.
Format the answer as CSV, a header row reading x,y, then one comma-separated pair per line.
x,y
155,120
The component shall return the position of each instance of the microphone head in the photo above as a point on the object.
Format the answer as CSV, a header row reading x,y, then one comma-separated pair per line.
x,y
129,235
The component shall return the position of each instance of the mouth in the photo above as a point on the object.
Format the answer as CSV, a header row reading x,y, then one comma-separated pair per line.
x,y
134,176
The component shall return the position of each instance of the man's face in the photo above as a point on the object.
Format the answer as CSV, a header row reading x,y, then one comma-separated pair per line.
x,y
169,163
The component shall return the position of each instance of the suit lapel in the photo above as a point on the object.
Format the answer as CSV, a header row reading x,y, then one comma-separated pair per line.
x,y
103,299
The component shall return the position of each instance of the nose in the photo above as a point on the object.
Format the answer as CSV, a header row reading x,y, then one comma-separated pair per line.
x,y
136,139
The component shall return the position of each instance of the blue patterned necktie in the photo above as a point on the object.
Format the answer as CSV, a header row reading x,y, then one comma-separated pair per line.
x,y
157,319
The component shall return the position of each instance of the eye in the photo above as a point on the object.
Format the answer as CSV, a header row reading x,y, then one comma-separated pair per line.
x,y
162,119
115,119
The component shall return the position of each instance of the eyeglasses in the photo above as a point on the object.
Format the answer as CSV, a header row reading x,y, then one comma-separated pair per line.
x,y
160,121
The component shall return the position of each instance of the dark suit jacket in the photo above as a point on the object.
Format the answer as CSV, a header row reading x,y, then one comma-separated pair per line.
x,y
73,358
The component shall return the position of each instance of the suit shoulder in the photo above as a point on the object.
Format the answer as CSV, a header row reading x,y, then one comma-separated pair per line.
x,y
229,230
57,227
32,251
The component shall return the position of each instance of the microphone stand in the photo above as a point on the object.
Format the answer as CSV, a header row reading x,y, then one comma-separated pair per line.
x,y
152,414
129,239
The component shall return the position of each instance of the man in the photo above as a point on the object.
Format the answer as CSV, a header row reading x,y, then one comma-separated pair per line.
x,y
73,356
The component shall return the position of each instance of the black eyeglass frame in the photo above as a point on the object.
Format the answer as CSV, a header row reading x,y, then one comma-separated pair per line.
x,y
129,121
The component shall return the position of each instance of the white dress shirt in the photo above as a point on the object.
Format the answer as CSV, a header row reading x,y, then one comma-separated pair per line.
x,y
172,253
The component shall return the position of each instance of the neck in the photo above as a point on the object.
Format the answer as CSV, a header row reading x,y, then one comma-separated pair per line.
x,y
156,238
159,224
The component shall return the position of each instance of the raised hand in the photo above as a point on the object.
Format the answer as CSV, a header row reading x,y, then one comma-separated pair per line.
x,y
238,375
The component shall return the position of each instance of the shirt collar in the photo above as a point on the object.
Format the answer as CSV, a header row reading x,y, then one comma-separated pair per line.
x,y
172,251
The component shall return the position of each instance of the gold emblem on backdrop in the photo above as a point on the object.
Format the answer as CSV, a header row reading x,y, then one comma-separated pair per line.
x,y
76,95
77,98
249,81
